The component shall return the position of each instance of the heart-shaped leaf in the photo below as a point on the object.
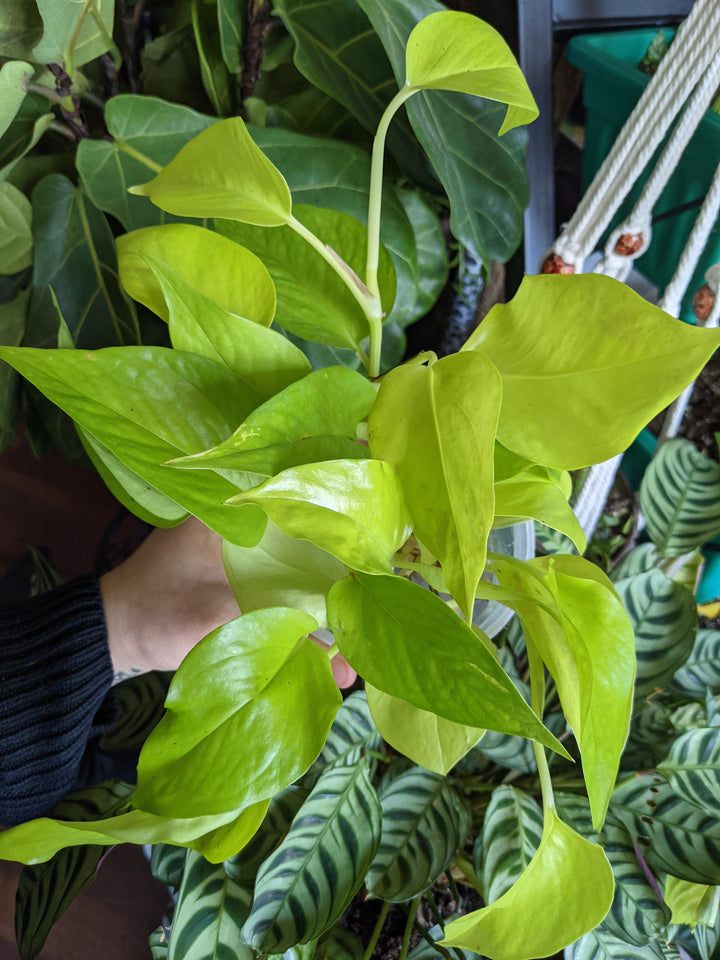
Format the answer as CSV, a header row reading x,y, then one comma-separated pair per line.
x,y
622,359
354,509
449,50
436,425
74,34
221,173
572,880
312,420
236,696
406,642
207,261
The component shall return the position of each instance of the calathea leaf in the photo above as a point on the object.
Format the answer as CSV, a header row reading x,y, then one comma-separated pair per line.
x,y
311,420
271,680
159,943
352,727
426,738
282,572
313,302
210,912
263,358
674,835
354,509
167,864
693,768
568,875
75,34
600,944
680,498
424,823
436,424
640,559
511,833
140,706
307,883
148,405
623,359
207,261
701,670
221,173
588,646
479,173
340,945
243,866
406,642
664,620
532,497
147,133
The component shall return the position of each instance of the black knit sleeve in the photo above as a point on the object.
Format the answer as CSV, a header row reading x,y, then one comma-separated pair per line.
x,y
55,694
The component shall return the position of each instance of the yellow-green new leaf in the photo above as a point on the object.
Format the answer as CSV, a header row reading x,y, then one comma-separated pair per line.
x,y
221,173
436,425
354,509
426,738
449,50
531,496
220,269
585,364
588,645
692,903
570,882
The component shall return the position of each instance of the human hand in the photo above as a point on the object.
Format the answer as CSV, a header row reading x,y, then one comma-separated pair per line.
x,y
167,596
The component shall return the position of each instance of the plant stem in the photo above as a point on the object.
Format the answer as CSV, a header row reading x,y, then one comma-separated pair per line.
x,y
51,95
369,303
537,690
412,913
376,183
428,939
377,931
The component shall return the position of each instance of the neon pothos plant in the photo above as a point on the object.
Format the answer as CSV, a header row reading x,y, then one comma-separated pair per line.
x,y
324,530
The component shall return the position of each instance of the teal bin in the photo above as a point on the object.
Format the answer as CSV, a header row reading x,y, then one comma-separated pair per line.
x,y
613,84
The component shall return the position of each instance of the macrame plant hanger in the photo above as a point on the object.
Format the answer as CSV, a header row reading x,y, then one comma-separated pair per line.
x,y
688,75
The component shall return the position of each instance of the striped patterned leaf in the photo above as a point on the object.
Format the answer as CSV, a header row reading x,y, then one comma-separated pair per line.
x,y
664,619
141,703
426,951
46,890
243,867
306,884
511,834
167,864
340,944
351,727
210,912
600,944
651,733
158,941
424,822
707,940
303,951
693,768
638,560
701,670
517,752
673,835
680,498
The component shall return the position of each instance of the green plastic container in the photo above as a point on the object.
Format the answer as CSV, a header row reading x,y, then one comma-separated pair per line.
x,y
613,84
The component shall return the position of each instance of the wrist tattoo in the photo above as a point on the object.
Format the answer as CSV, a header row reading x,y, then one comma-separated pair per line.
x,y
121,675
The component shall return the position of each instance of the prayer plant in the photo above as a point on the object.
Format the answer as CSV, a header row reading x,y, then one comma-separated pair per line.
x,y
335,491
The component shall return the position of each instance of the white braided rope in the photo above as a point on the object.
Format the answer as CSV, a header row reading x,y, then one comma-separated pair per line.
x,y
639,221
679,71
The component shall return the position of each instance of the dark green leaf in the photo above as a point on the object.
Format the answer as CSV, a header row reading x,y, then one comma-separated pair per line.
x,y
352,727
167,864
340,945
230,25
20,29
12,328
243,867
140,704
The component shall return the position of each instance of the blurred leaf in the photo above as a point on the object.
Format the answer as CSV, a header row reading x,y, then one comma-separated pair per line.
x,y
74,33
16,242
12,328
20,29
213,71
230,16
14,77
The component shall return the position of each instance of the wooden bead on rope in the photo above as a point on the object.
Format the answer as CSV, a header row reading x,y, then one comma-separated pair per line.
x,y
554,263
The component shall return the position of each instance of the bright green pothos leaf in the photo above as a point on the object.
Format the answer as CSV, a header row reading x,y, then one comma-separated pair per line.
x,y
449,50
147,133
426,738
148,405
74,33
572,880
693,768
311,420
424,824
511,834
237,695
701,670
353,509
436,425
588,646
406,642
533,497
207,261
264,359
312,300
221,173
282,571
622,359
302,889
664,619
14,77
210,912
680,498
480,171
16,242
692,903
